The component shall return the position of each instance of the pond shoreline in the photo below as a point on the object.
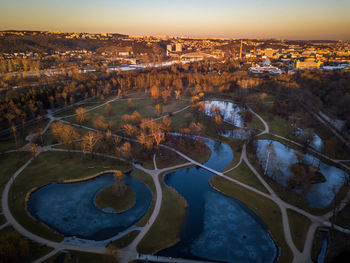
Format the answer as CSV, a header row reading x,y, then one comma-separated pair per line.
x,y
80,230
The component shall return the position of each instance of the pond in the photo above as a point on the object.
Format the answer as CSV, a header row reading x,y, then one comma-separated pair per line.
x,y
321,257
69,207
239,134
316,142
231,112
217,227
320,195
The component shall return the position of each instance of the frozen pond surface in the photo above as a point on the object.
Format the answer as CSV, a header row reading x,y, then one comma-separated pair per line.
x,y
316,143
69,208
320,195
231,112
217,227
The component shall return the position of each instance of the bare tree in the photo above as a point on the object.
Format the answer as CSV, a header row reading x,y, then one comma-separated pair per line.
x,y
81,115
89,141
64,133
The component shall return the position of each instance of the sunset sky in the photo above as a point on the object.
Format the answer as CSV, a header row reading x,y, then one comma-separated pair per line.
x,y
297,19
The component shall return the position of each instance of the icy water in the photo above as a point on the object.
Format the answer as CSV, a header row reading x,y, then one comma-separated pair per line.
x,y
240,134
69,208
231,112
217,227
320,195
316,142
324,247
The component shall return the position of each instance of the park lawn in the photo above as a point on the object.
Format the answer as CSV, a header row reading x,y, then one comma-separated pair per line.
x,y
53,167
177,120
145,106
78,256
277,124
167,158
236,147
165,230
343,217
267,97
2,220
299,226
235,160
36,250
316,245
10,163
71,110
201,156
107,197
281,127
255,123
147,180
243,174
126,240
8,142
266,209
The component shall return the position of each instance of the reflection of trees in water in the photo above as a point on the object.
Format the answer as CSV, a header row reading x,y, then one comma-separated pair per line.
x,y
277,171
274,165
229,111
218,147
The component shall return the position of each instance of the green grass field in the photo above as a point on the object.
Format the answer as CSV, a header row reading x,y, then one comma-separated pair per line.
x,y
126,240
9,164
107,197
299,226
77,256
145,107
243,174
36,250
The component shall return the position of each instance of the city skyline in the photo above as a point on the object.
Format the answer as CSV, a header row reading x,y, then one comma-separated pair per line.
x,y
302,20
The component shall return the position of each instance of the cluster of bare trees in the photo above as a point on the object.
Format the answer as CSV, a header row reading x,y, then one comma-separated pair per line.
x,y
19,64
63,90
64,133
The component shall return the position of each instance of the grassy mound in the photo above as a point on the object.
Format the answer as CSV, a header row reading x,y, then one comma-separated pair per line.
x,y
107,197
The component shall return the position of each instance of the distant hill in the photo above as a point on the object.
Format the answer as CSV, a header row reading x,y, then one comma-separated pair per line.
x,y
40,42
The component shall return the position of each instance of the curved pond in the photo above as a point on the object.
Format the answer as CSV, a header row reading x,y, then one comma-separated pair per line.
x,y
231,112
217,227
319,195
69,207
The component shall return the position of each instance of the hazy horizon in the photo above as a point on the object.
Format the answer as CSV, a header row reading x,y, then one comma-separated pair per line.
x,y
297,20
